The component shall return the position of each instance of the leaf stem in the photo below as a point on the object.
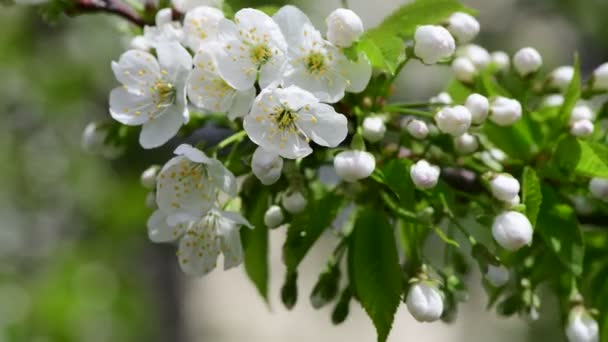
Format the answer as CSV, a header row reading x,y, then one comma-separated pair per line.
x,y
234,138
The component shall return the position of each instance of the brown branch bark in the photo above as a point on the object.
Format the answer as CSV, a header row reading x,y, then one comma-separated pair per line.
x,y
108,6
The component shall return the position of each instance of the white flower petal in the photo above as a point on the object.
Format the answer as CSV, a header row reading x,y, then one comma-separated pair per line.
x,y
294,97
236,218
357,74
291,20
233,60
137,70
160,231
199,249
192,153
160,129
201,24
241,103
175,62
323,125
221,177
206,88
131,108
230,242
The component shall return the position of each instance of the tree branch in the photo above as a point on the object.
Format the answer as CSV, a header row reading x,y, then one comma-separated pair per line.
x,y
108,6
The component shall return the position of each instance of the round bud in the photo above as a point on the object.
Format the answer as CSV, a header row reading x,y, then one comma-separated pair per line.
x,y
424,302
464,70
581,112
373,128
94,141
139,43
581,326
553,100
498,154
505,111
582,204
463,27
294,202
600,77
512,230
560,77
599,188
479,106
500,59
266,166
441,98
417,128
344,27
354,165
504,187
513,202
273,217
497,275
476,54
164,16
466,143
151,200
148,177
527,61
453,120
581,128
424,175
433,43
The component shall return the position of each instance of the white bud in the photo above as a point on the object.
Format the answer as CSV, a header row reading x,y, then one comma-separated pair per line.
x,y
424,175
417,128
466,143
139,43
561,76
599,188
504,187
553,100
582,204
433,43
373,129
164,16
600,77
497,275
343,27
500,59
453,120
581,326
464,70
476,54
498,154
424,302
354,165
527,61
463,26
479,106
441,98
513,202
273,217
582,128
266,166
505,111
512,230
294,202
581,112
148,177
94,141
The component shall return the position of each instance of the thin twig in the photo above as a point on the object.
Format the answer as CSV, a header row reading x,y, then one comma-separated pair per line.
x,y
107,6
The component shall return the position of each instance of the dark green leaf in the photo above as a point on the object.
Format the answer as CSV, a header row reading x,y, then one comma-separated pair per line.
x,y
387,54
255,243
289,291
532,196
326,288
396,177
342,307
582,158
516,140
572,94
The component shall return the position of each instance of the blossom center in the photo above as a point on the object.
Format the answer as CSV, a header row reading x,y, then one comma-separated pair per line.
x,y
285,118
315,62
260,54
166,93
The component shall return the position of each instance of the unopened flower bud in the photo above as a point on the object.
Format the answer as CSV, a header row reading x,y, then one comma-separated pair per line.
x,y
441,98
476,54
479,106
500,59
599,188
151,200
354,165
581,326
453,120
294,202
266,166
497,275
561,76
424,302
464,70
553,100
466,143
148,177
433,43
582,204
164,16
504,187
463,26
94,141
512,230
344,27
373,129
424,175
581,112
139,43
273,217
527,61
417,128
600,77
582,128
505,111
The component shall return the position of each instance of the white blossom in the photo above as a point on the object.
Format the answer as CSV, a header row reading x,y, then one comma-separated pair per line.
x,y
454,120
433,43
417,128
463,26
599,188
581,112
424,302
148,177
479,106
184,6
441,98
479,56
344,27
504,187
273,217
527,61
315,64
512,230
164,16
140,43
561,76
153,93
500,59
581,326
266,166
151,200
294,202
600,77
373,128
424,175
466,143
284,120
353,165
582,128
201,24
553,100
165,29
464,70
505,111
497,275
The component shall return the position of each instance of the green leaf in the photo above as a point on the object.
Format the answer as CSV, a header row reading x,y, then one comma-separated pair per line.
x,y
487,84
269,9
558,227
516,140
396,177
458,91
306,228
255,244
572,95
582,158
532,196
386,54
376,270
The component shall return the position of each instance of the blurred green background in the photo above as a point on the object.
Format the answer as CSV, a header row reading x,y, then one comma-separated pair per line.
x,y
75,262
